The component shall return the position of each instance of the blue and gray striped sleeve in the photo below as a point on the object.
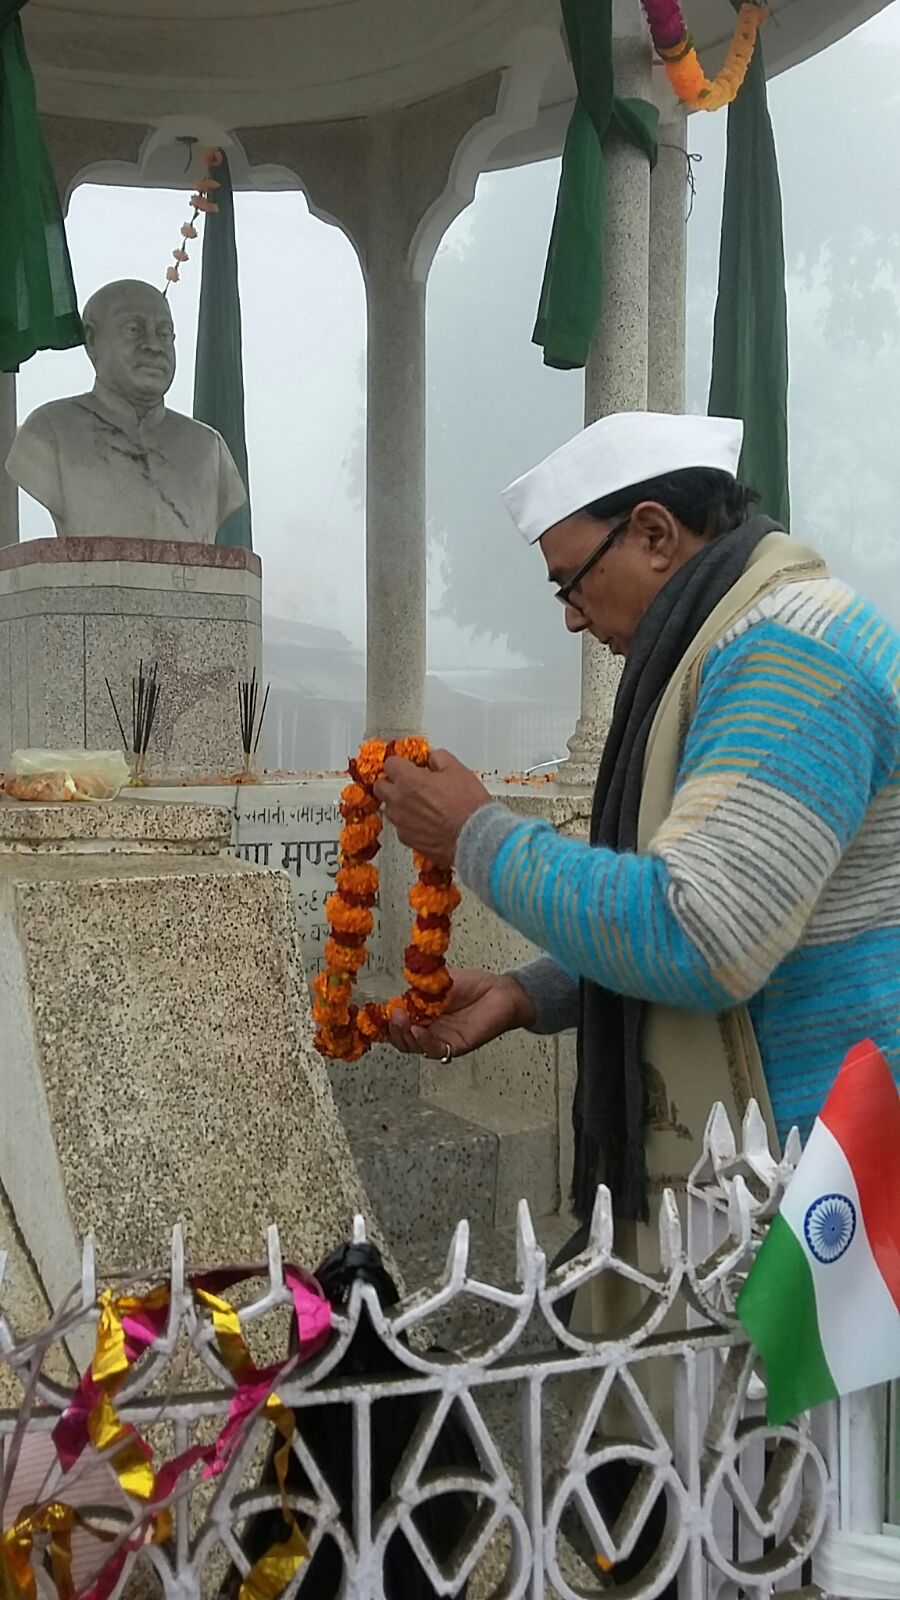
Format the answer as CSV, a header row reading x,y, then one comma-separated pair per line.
x,y
788,744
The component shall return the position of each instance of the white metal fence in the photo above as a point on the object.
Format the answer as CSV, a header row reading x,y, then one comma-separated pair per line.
x,y
543,1413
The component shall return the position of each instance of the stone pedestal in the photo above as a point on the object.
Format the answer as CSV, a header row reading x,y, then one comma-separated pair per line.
x,y
74,612
157,1060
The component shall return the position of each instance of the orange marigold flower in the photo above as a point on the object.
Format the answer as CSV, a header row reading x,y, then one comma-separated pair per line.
x,y
188,231
180,255
434,941
346,918
425,864
372,1022
429,983
358,836
353,794
200,203
343,1044
368,807
344,958
421,1009
358,880
173,275
412,749
332,1016
434,902
370,761
212,158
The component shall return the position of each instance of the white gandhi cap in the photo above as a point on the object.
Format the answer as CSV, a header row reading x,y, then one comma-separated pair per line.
x,y
615,454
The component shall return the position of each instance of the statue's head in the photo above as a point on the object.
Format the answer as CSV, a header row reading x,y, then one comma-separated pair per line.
x,y
130,338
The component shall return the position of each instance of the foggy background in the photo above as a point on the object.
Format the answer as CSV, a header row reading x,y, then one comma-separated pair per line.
x,y
503,676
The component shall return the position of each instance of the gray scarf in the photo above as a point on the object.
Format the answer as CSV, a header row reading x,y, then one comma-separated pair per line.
x,y
609,1107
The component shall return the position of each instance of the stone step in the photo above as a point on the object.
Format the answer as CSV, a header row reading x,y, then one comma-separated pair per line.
x,y
428,1162
527,1144
422,1167
383,1077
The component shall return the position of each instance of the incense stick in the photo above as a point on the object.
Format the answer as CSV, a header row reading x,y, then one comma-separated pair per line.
x,y
116,713
261,716
144,701
251,722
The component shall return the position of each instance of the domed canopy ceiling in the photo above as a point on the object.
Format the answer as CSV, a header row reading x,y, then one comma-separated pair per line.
x,y
249,63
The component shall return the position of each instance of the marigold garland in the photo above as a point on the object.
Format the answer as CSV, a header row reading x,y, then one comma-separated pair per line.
x,y
678,54
200,202
346,1031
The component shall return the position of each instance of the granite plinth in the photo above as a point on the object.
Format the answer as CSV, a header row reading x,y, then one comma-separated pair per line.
x,y
293,825
74,612
113,826
518,1089
157,1060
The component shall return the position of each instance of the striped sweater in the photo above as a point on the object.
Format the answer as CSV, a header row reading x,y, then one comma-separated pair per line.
x,y
774,881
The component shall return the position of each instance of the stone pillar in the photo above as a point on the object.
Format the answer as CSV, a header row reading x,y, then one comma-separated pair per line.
x,y
392,181
668,267
395,454
616,373
9,494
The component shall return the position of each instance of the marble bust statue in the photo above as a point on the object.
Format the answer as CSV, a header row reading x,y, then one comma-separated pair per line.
x,y
116,461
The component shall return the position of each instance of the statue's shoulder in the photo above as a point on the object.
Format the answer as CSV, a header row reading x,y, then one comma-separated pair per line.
x,y
186,424
204,442
56,415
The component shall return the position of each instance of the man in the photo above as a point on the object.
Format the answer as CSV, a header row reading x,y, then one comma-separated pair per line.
x,y
733,927
116,461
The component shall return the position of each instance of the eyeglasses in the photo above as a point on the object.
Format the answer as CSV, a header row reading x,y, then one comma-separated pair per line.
x,y
563,594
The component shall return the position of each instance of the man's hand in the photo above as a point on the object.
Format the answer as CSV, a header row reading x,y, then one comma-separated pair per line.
x,y
429,806
482,1006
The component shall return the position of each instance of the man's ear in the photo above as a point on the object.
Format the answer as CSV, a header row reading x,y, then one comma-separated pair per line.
x,y
660,532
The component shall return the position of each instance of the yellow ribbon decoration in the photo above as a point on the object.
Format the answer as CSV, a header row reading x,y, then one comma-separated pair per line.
x,y
271,1574
130,1462
110,1363
17,1579
16,1576
110,1356
229,1337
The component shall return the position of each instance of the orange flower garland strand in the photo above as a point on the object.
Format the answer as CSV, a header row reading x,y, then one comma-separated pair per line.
x,y
200,202
346,1031
676,50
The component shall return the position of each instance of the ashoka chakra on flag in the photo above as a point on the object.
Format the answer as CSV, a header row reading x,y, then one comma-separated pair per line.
x,y
829,1226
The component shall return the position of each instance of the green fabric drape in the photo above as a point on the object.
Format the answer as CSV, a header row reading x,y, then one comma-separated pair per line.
x,y
219,370
571,301
38,306
750,349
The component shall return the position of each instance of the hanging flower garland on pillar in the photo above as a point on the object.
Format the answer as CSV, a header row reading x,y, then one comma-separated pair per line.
x,y
200,201
346,1031
678,54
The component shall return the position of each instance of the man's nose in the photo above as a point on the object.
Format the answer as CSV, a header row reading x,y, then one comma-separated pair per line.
x,y
576,621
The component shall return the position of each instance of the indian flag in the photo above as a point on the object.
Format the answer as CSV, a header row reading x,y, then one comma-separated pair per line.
x,y
822,1300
